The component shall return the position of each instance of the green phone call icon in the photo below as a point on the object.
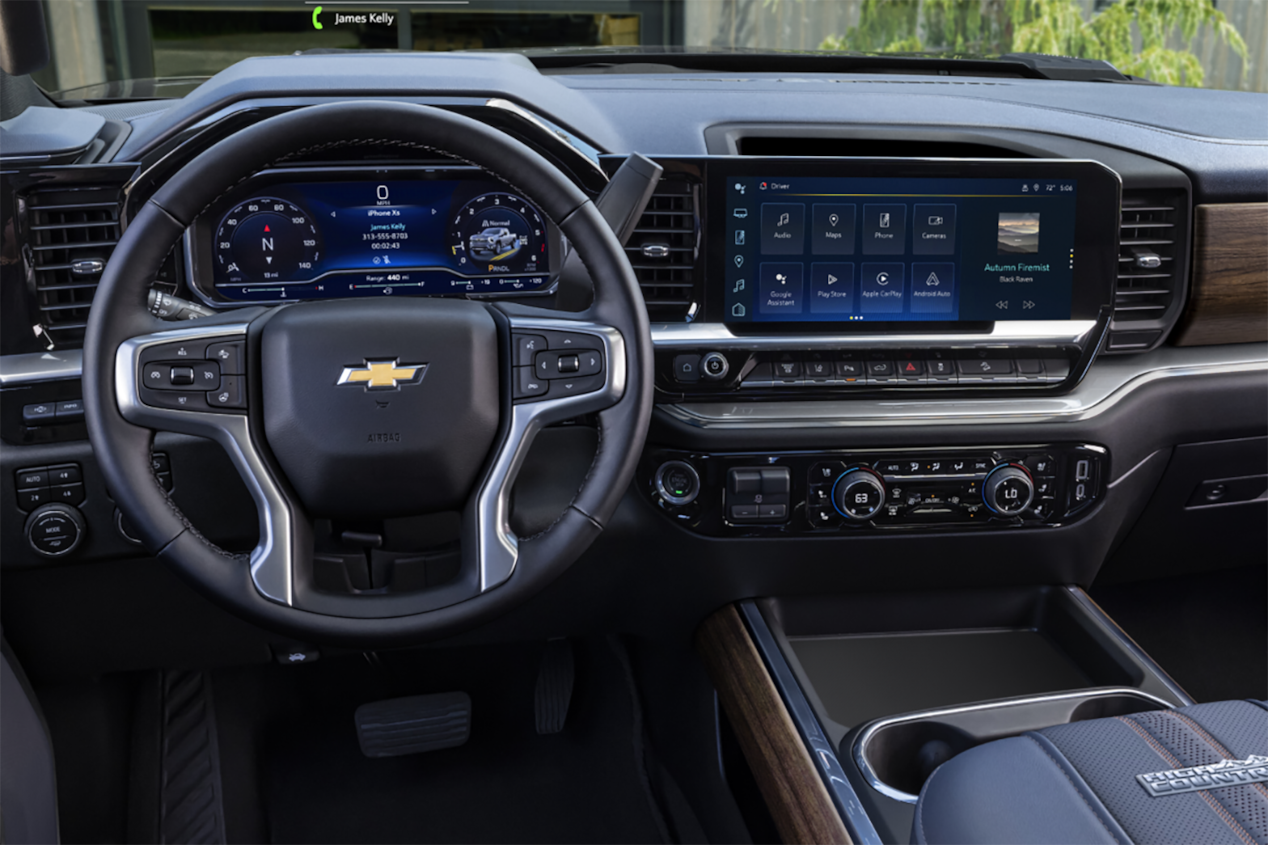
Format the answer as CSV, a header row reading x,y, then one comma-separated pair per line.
x,y
316,12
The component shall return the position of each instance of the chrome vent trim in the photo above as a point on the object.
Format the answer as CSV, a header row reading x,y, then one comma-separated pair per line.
x,y
70,234
664,251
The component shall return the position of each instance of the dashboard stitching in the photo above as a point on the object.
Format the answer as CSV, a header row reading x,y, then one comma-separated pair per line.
x,y
598,450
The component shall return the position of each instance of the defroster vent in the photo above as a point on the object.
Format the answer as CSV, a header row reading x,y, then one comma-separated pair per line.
x,y
71,233
664,251
1151,241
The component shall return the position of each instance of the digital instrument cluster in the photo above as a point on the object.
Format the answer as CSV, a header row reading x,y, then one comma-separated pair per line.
x,y
331,234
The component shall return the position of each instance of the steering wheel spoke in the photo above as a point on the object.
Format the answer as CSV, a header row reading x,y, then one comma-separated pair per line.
x,y
192,380
562,369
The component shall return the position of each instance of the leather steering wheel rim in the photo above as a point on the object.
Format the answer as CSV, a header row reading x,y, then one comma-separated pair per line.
x,y
119,316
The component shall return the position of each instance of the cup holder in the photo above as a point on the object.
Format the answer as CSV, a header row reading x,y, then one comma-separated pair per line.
x,y
896,755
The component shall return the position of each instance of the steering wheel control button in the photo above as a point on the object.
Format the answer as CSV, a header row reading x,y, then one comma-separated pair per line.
x,y
1008,490
232,394
569,364
677,482
54,530
590,362
176,401
528,385
687,368
567,386
858,494
181,376
229,356
714,366
758,494
526,348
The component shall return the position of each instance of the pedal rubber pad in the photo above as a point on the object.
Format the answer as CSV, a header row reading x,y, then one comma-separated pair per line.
x,y
554,687
414,724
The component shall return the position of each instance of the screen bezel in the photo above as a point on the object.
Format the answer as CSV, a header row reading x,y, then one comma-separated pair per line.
x,y
1097,220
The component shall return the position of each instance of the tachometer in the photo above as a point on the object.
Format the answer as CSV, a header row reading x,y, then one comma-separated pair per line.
x,y
498,233
267,240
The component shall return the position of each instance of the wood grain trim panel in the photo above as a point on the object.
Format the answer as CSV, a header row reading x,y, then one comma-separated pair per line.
x,y
786,775
1228,302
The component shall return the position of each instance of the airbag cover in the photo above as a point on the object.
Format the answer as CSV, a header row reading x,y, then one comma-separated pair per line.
x,y
411,423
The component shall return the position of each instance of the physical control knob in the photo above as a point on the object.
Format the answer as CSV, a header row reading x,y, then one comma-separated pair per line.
x,y
54,530
1008,489
714,366
858,494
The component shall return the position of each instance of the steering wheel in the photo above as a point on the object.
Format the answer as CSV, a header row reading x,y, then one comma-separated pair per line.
x,y
367,408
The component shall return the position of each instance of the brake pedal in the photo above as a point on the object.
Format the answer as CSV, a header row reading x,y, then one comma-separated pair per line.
x,y
554,687
415,724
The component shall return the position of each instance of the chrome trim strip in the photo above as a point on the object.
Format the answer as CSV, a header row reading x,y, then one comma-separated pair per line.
x,y
859,749
1107,383
584,150
1033,332
271,558
856,821
497,547
33,367
1112,628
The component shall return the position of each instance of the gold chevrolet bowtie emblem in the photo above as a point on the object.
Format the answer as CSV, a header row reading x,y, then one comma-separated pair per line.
x,y
382,375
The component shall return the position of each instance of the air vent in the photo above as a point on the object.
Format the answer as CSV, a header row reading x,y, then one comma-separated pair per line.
x,y
1150,241
663,251
71,234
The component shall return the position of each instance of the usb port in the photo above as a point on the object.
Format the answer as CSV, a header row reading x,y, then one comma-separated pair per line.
x,y
1081,471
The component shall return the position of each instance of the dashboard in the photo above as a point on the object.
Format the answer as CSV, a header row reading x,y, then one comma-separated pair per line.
x,y
325,233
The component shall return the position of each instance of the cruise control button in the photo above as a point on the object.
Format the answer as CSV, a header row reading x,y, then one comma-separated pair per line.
x,y
232,393
526,348
561,387
229,355
182,376
206,375
179,401
156,376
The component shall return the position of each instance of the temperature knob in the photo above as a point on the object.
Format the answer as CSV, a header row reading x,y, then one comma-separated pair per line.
x,y
1008,489
858,494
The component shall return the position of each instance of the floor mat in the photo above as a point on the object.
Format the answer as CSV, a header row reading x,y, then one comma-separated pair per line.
x,y
1209,631
507,784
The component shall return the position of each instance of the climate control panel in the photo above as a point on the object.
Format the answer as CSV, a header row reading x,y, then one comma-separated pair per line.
x,y
1041,485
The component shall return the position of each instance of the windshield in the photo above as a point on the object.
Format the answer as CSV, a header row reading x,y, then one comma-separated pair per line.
x,y
172,45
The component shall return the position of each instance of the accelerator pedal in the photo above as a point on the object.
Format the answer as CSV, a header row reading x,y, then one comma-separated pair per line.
x,y
554,687
415,724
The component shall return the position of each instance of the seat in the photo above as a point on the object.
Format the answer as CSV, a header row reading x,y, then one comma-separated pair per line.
x,y
1111,781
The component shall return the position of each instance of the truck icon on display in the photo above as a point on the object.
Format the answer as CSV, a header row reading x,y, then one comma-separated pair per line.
x,y
492,242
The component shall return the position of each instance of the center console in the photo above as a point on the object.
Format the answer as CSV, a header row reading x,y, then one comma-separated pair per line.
x,y
831,276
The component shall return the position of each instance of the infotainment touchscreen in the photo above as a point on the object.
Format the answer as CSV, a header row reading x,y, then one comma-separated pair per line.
x,y
826,248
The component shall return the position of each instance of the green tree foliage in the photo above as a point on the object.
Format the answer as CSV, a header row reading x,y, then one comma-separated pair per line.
x,y
1133,35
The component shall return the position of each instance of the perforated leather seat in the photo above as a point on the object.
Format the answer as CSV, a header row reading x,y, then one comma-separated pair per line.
x,y
1110,781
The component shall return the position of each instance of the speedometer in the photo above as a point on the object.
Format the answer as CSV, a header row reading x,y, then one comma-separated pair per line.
x,y
266,240
498,233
